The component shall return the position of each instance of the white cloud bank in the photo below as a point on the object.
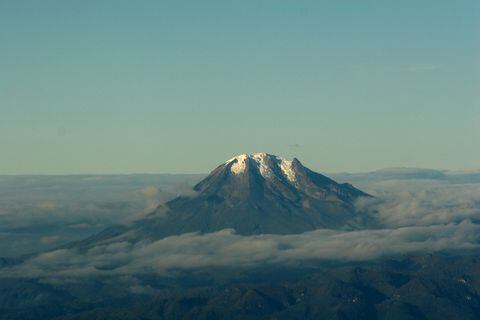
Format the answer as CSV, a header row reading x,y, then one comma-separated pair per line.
x,y
417,216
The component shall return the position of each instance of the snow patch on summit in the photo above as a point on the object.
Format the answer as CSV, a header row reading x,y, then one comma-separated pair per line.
x,y
261,160
287,169
239,166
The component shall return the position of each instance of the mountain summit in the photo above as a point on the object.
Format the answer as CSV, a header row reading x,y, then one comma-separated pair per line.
x,y
260,175
261,193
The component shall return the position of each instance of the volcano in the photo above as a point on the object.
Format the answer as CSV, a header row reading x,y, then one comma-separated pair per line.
x,y
253,194
257,194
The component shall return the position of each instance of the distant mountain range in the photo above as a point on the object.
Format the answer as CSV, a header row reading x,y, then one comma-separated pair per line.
x,y
402,173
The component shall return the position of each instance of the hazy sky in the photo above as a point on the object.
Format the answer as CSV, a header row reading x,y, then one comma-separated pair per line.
x,y
180,86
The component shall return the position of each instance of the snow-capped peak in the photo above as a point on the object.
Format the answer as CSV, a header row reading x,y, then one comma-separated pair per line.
x,y
264,162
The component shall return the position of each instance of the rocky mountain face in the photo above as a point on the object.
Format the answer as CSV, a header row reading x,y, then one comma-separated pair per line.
x,y
260,193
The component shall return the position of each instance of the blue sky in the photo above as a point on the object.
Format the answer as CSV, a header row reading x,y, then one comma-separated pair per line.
x,y
180,86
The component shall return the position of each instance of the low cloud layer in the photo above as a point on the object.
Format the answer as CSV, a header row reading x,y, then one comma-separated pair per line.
x,y
225,248
42,212
400,203
415,216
